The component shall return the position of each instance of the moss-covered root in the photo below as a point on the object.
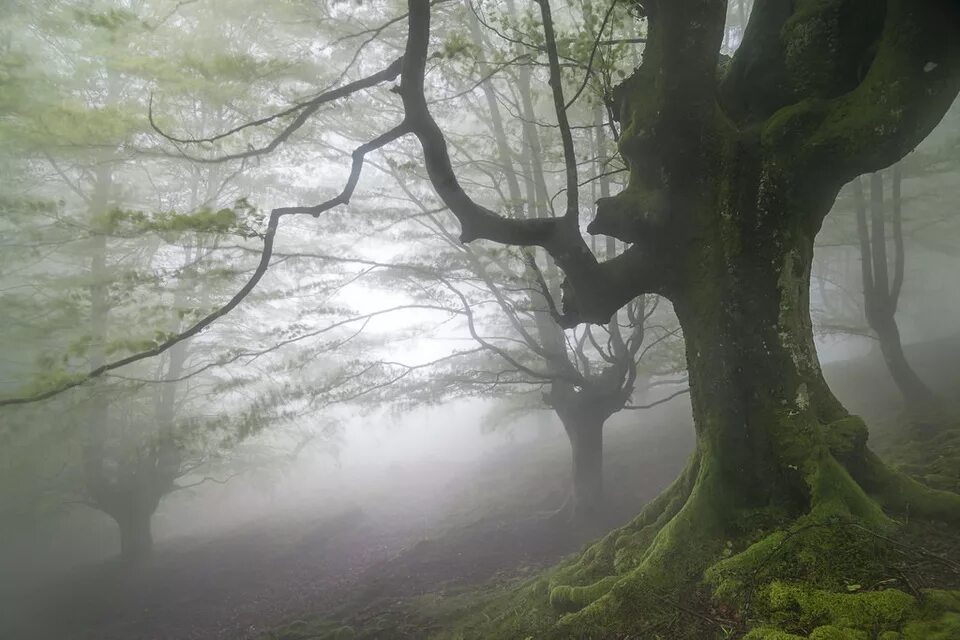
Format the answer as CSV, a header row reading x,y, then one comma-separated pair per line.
x,y
658,562
900,493
567,599
619,551
699,562
794,612
890,488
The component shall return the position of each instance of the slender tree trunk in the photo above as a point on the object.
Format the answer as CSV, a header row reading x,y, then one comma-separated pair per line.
x,y
586,443
918,399
881,294
583,413
136,537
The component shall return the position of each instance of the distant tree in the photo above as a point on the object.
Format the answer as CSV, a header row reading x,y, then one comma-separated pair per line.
x,y
881,289
142,243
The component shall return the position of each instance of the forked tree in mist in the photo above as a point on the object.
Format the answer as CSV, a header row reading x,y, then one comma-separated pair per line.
x,y
882,287
584,377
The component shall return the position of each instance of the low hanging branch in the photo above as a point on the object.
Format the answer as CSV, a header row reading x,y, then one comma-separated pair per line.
x,y
265,255
593,290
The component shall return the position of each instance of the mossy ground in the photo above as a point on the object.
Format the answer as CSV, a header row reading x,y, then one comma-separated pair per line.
x,y
671,573
932,456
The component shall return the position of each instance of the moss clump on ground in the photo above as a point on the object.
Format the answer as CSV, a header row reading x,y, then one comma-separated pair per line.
x,y
796,611
678,572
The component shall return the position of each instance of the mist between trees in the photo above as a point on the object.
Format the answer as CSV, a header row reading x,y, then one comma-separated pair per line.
x,y
277,262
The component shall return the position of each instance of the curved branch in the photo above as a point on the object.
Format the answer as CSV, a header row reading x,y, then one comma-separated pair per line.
x,y
268,238
593,290
635,407
911,82
306,110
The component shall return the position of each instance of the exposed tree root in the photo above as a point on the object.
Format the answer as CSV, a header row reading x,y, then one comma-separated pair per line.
x,y
698,563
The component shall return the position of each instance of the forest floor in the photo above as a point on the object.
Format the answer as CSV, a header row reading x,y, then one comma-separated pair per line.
x,y
423,537
424,531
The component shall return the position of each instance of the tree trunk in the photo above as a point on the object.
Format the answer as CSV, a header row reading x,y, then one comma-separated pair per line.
x,y
760,404
586,443
583,412
136,538
775,450
881,296
918,399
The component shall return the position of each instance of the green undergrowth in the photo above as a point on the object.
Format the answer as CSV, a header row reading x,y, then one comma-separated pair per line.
x,y
820,581
679,571
795,612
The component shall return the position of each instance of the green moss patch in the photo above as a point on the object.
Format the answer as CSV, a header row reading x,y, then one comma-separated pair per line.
x,y
797,611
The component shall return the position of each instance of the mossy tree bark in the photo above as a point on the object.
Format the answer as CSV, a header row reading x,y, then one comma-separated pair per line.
x,y
732,168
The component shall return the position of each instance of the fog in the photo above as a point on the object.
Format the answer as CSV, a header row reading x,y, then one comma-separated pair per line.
x,y
394,481
479,320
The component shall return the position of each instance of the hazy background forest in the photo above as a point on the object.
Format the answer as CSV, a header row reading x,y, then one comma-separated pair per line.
x,y
384,411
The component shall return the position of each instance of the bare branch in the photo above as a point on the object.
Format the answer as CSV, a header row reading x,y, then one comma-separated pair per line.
x,y
204,480
556,84
593,53
635,407
306,110
268,239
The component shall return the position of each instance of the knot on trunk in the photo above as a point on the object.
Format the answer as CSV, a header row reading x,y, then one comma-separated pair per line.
x,y
847,438
630,215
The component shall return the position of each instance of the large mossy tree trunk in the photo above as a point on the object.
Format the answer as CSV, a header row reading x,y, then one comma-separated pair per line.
x,y
726,200
776,453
